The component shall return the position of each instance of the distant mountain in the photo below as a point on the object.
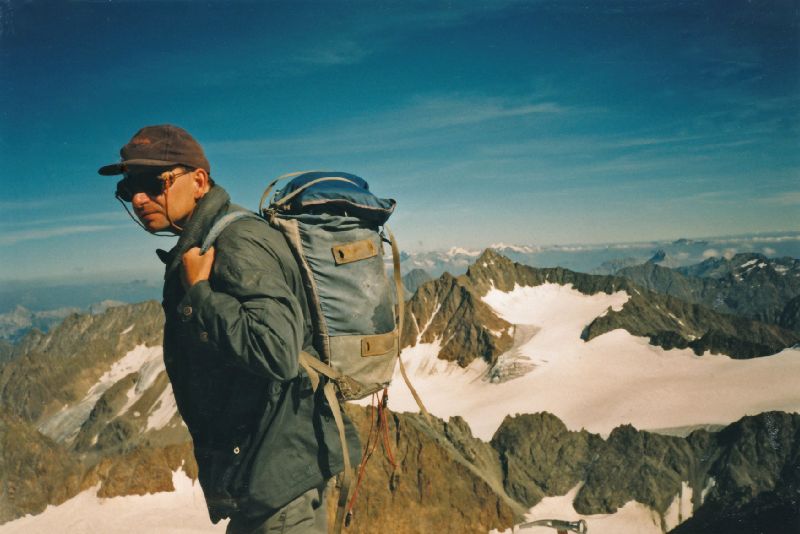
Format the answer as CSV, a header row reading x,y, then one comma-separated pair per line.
x,y
14,324
609,257
49,295
413,279
614,266
746,285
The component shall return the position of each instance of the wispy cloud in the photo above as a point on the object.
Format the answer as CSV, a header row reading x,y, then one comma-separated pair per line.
x,y
421,122
105,216
13,237
9,205
786,198
342,52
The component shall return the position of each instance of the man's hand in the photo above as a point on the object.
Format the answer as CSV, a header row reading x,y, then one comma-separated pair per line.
x,y
196,268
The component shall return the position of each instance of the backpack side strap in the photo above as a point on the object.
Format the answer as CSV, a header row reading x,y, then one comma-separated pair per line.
x,y
221,224
313,368
398,282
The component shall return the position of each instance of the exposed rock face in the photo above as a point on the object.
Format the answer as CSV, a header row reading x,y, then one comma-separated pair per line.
x,y
748,471
56,369
451,310
640,466
541,457
34,470
755,464
790,316
6,351
143,470
444,477
673,323
747,285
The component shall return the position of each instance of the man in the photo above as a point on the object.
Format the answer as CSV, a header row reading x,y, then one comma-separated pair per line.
x,y
236,319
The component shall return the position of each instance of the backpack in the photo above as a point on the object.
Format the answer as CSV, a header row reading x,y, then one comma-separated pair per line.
x,y
336,228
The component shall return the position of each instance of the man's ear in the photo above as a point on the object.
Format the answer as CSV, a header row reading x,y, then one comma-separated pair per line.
x,y
201,184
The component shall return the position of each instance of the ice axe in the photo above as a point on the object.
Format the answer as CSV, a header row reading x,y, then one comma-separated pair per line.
x,y
562,527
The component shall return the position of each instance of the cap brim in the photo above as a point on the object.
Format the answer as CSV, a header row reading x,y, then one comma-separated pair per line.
x,y
119,168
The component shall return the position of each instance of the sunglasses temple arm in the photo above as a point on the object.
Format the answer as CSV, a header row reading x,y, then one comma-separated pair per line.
x,y
166,203
134,219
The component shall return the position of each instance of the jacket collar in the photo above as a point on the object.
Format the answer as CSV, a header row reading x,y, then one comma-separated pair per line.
x,y
205,213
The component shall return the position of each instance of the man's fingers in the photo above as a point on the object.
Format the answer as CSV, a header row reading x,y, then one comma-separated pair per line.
x,y
197,267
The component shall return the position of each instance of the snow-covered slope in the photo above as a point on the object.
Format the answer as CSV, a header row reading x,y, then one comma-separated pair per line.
x,y
632,518
182,511
611,380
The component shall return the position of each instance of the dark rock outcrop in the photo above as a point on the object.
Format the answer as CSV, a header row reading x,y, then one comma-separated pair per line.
x,y
34,470
790,316
444,477
755,465
56,369
541,457
673,323
747,285
451,310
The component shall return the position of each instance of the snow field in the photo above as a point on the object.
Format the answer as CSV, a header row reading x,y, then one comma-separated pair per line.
x,y
633,518
598,385
65,425
182,511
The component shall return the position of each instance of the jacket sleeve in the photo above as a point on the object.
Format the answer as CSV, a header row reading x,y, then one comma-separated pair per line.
x,y
248,310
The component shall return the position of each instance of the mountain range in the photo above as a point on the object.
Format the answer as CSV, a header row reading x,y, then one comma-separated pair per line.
x,y
553,392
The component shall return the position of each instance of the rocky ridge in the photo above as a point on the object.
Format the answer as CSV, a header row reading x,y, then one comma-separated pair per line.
x,y
745,469
747,285
450,310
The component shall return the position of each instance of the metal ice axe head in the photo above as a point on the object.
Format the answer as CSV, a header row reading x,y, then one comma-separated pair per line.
x,y
578,526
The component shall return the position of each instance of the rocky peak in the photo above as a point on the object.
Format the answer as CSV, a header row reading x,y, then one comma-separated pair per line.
x,y
450,311
659,256
51,370
491,270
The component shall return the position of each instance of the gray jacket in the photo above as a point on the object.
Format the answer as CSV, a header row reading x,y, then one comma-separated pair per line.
x,y
261,436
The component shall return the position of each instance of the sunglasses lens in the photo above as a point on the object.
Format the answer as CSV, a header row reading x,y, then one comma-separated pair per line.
x,y
122,191
130,185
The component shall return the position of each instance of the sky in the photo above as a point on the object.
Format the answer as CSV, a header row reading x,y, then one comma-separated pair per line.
x,y
536,122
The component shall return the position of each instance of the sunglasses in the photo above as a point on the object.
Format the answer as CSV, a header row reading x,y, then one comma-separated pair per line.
x,y
150,184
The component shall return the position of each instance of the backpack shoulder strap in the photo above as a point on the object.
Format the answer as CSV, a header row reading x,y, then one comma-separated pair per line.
x,y
221,224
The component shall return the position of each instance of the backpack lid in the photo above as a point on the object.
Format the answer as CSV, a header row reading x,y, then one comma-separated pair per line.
x,y
342,190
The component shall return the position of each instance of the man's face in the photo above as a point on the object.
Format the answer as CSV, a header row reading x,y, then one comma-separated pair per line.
x,y
154,191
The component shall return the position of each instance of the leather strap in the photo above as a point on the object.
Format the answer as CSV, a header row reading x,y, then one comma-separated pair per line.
x,y
398,282
344,489
313,368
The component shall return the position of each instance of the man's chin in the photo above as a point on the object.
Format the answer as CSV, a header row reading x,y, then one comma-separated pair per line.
x,y
155,224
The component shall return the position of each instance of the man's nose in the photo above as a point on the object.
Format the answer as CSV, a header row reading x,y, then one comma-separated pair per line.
x,y
138,200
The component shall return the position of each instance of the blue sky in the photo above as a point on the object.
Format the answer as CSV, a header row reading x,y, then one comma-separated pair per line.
x,y
531,122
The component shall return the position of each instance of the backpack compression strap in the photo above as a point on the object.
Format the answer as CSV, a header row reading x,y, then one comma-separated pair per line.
x,y
299,190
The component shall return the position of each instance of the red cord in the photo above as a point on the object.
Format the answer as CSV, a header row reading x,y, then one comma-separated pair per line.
x,y
381,433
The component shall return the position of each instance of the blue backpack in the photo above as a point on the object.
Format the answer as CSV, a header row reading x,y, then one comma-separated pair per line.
x,y
336,228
